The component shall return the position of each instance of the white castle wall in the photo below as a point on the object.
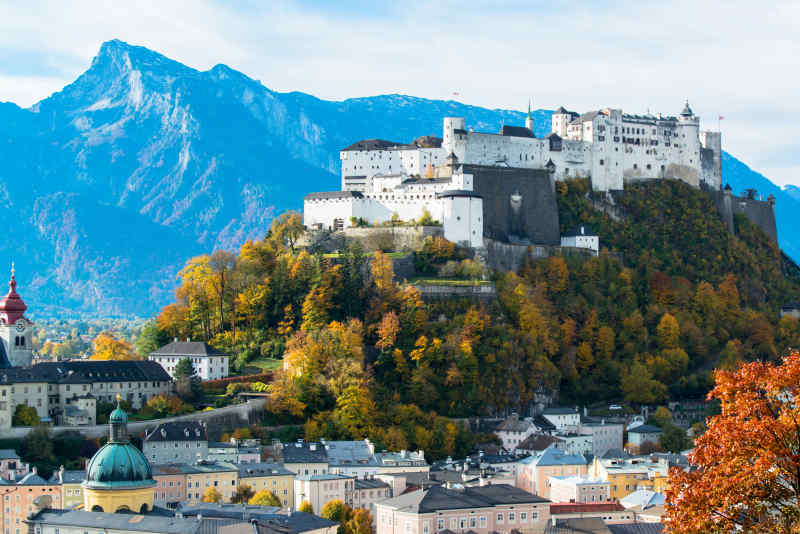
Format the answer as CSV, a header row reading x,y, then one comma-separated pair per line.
x,y
463,220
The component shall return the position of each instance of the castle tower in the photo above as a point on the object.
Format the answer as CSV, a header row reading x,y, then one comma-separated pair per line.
x,y
689,127
118,477
16,331
529,118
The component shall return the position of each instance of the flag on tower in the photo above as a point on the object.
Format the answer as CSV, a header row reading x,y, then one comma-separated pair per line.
x,y
721,117
456,94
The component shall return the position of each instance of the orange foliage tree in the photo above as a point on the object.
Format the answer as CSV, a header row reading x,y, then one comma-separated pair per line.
x,y
748,461
108,347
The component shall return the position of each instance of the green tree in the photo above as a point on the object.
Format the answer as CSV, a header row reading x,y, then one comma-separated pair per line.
x,y
150,338
264,498
242,494
639,386
674,439
38,445
25,415
184,368
661,417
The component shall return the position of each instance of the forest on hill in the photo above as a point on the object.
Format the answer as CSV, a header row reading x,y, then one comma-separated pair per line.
x,y
672,296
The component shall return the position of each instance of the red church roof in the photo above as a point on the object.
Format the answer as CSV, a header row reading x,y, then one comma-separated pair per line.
x,y
12,307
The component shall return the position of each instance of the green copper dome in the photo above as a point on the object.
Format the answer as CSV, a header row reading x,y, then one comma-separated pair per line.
x,y
118,465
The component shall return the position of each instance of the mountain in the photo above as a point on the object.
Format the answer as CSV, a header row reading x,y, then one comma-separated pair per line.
x,y
110,184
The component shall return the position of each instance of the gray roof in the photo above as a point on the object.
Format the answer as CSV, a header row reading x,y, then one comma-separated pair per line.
x,y
86,372
554,456
644,429
586,117
582,525
32,479
538,442
262,469
559,411
583,229
71,476
187,348
515,131
333,194
458,193
178,431
424,141
134,522
350,453
615,454
440,498
637,528
296,523
370,484
8,454
302,453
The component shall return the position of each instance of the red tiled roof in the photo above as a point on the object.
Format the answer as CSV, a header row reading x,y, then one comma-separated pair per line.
x,y
577,507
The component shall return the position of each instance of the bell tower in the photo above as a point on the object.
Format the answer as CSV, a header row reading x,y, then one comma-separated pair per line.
x,y
16,331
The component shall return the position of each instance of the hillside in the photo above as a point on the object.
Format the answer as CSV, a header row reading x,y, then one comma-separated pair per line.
x,y
196,160
672,296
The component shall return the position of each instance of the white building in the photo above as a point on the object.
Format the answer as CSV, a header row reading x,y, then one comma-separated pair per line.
x,y
208,362
513,431
319,489
605,436
564,419
577,443
582,237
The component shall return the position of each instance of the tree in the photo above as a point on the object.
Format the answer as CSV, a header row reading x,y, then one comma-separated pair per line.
x,y
640,387
306,507
360,522
674,439
184,368
38,445
747,475
108,347
661,417
212,495
25,415
150,338
264,498
335,510
242,494
668,332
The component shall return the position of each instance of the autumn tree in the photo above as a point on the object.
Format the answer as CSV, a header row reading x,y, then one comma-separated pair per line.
x,y
360,522
108,347
264,498
335,510
212,495
639,386
306,507
747,476
25,415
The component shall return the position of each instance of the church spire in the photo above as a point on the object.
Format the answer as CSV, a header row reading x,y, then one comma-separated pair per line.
x,y
529,118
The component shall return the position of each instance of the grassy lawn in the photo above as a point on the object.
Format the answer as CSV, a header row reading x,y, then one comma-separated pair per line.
x,y
450,282
266,364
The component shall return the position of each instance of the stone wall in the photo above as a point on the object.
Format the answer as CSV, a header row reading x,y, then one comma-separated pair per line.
x,y
509,257
398,238
531,216
218,421
759,212
435,291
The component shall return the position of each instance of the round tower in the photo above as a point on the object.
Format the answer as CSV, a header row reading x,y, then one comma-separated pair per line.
x,y
529,118
689,127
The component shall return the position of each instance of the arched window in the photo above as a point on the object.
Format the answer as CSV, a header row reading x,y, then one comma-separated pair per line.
x,y
97,508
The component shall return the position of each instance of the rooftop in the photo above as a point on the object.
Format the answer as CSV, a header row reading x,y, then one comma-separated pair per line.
x,y
441,498
644,429
86,372
177,431
304,452
134,522
187,348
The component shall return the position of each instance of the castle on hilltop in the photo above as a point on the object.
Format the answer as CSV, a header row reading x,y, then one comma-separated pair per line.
x,y
502,185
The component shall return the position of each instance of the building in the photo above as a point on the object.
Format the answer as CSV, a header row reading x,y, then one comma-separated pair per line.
x,y
80,411
51,387
605,436
564,419
304,457
288,523
208,362
485,509
626,476
792,309
16,330
180,442
71,487
12,467
319,489
534,472
577,443
582,237
368,491
270,476
118,477
19,500
609,512
537,443
358,458
513,431
641,434
580,489
48,521
237,451
170,486
224,476
403,461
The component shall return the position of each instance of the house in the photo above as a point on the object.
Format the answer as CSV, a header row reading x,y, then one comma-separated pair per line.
x,y
48,521
628,475
202,475
368,491
11,465
238,451
564,419
484,509
582,237
208,363
171,487
537,443
319,489
23,495
605,435
578,489
514,431
641,434
609,512
269,476
304,457
534,472
596,525
261,516
577,443
175,443
70,482
792,309
80,411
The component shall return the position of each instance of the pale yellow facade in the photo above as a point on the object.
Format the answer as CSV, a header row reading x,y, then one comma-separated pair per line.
x,y
281,485
110,500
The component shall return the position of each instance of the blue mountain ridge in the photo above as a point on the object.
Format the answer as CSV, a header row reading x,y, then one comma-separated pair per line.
x,y
112,183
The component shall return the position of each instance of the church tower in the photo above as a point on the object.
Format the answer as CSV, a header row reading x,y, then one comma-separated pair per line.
x,y
16,331
529,118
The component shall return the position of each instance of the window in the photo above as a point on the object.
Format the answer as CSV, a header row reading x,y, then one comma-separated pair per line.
x,y
440,524
534,515
523,517
511,517
483,521
473,521
602,162
499,518
453,523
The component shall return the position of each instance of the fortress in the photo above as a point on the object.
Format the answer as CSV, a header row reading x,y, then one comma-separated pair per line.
x,y
502,186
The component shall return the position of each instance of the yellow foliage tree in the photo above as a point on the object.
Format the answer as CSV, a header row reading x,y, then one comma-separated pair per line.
x,y
306,507
108,347
212,495
265,498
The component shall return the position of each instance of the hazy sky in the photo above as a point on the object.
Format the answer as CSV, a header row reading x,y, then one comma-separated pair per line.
x,y
736,59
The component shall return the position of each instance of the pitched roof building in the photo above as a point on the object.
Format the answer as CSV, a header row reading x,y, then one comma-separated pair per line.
x,y
208,363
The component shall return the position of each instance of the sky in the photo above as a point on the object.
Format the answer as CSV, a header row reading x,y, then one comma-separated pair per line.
x,y
733,59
